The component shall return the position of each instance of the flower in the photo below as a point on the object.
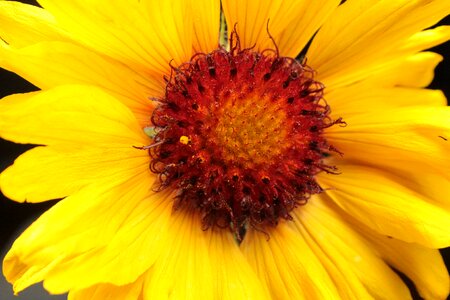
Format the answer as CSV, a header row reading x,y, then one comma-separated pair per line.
x,y
254,187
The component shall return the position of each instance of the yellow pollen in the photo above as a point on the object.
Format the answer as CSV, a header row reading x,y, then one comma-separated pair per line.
x,y
251,131
184,139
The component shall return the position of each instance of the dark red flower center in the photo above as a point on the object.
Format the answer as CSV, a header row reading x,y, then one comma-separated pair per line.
x,y
239,135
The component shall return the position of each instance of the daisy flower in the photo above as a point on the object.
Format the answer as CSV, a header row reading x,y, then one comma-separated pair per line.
x,y
228,150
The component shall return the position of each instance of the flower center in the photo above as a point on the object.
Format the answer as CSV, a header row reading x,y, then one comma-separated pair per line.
x,y
239,136
250,130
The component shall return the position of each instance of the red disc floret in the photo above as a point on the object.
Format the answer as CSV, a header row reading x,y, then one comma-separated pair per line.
x,y
239,135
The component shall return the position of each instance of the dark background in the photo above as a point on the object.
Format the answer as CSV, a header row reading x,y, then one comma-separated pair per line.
x,y
14,216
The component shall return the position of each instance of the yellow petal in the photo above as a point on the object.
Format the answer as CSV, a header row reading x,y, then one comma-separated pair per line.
x,y
356,263
115,228
105,291
199,264
420,71
69,114
206,14
410,138
301,29
236,279
54,172
376,199
427,185
424,266
365,98
66,63
287,265
389,87
344,50
251,17
24,24
147,33
426,39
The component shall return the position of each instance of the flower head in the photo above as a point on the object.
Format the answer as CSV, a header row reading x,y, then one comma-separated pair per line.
x,y
299,158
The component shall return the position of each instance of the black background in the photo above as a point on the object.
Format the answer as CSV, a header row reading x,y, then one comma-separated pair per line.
x,y
13,215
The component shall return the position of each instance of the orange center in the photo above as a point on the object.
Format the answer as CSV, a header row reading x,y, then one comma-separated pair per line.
x,y
251,131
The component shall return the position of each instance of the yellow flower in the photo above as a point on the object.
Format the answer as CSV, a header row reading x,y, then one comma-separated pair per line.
x,y
253,189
